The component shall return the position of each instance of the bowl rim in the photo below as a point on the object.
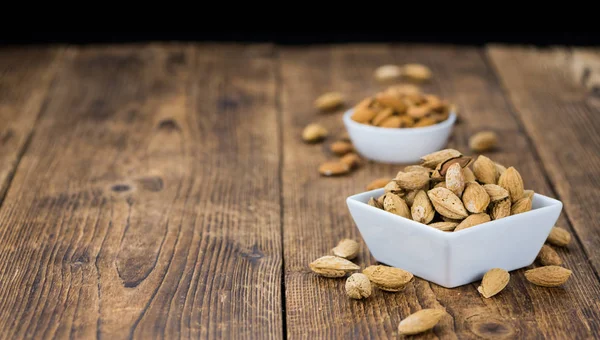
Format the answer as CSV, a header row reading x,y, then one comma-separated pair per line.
x,y
413,130
549,204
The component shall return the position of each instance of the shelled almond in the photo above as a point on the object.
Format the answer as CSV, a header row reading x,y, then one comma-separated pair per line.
x,y
401,107
461,192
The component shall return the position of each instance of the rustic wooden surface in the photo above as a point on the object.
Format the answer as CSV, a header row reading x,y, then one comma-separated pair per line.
x,y
163,190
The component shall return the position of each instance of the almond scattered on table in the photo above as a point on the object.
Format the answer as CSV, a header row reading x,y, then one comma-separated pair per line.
x,y
483,141
548,276
386,73
341,148
386,278
420,321
548,256
494,281
334,168
377,184
417,72
559,237
358,286
329,101
314,133
333,266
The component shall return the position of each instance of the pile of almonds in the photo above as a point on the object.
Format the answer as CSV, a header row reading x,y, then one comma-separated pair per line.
x,y
451,192
401,106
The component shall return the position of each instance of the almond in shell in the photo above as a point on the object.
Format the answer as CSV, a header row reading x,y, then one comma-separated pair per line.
x,y
548,276
520,206
493,282
548,256
341,147
422,210
500,209
388,278
393,187
420,321
455,180
559,237
329,101
468,175
472,221
483,141
444,226
347,249
412,180
358,286
484,170
382,115
313,133
417,168
475,198
433,159
409,197
332,266
351,159
511,180
495,192
396,205
447,204
374,203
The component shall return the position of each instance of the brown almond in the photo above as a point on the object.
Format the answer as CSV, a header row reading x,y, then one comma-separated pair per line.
x,y
529,194
391,122
416,72
521,206
329,101
375,203
426,121
391,101
351,159
559,237
377,183
396,205
484,170
358,286
493,282
341,147
403,90
433,159
444,226
382,115
387,73
422,210
441,184
446,203
483,141
548,276
468,175
388,278
455,180
347,249
475,198
418,112
421,321
406,121
334,168
500,209
548,256
417,168
443,166
314,133
409,197
332,266
412,180
473,220
511,180
393,187
495,192
363,115
499,170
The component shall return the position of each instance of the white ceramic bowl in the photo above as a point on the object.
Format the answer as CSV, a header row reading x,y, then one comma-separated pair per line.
x,y
452,259
397,146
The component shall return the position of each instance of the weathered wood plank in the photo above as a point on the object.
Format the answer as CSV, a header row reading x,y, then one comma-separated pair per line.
x,y
553,94
25,76
143,207
315,215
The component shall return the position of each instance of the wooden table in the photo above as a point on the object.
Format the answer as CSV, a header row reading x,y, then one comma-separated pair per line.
x,y
163,190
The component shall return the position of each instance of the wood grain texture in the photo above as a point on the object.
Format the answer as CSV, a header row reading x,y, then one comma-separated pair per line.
x,y
556,94
315,215
143,207
25,76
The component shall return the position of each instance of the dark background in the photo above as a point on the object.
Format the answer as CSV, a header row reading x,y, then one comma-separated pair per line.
x,y
317,37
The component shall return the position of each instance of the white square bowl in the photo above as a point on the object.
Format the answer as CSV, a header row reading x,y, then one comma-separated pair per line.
x,y
452,259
